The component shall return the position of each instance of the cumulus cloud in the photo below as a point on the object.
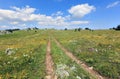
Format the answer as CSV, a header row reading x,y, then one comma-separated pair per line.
x,y
24,14
26,10
23,17
113,4
81,10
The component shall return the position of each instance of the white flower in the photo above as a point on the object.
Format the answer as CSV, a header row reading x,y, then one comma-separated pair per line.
x,y
78,77
62,71
73,68
25,55
8,62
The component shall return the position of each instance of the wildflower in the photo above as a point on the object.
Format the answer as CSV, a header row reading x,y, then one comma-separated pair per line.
x,y
8,62
62,71
25,55
73,68
96,50
78,77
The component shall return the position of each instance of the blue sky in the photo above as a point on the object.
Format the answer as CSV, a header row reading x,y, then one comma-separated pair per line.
x,y
60,14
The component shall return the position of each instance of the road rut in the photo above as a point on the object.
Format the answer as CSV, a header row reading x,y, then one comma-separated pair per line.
x,y
50,74
83,65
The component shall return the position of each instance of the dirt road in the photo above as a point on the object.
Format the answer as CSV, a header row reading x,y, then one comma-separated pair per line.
x,y
50,74
84,66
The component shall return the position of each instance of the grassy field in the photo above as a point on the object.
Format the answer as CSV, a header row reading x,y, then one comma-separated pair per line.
x,y
65,68
22,53
99,49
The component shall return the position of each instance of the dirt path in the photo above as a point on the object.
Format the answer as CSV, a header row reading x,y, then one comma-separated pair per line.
x,y
49,64
84,66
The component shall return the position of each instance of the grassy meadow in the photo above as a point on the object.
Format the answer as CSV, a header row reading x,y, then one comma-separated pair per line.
x,y
99,49
65,68
22,53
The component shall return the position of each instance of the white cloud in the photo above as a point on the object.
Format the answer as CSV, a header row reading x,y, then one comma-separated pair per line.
x,y
81,10
14,23
58,13
113,4
79,22
0,18
26,9
23,17
3,26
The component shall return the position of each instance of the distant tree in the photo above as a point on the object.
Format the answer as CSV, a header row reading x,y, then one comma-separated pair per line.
x,y
87,28
15,29
79,29
9,30
65,28
75,30
35,28
28,28
118,27
113,28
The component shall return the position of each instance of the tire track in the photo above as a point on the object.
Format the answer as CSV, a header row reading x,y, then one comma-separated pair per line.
x,y
83,65
49,63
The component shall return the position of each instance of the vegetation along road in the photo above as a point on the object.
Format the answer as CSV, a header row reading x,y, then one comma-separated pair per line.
x,y
83,65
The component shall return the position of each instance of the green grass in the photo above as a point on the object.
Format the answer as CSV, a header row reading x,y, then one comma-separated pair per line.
x,y
27,58
65,67
99,49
